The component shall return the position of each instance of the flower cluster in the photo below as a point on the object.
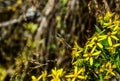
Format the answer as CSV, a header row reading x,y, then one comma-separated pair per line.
x,y
79,74
98,59
100,51
57,74
107,69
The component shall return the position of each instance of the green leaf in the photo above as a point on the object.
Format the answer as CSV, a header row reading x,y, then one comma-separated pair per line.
x,y
117,62
105,43
98,30
101,77
96,64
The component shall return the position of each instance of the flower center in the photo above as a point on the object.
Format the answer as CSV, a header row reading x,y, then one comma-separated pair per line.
x,y
109,33
75,75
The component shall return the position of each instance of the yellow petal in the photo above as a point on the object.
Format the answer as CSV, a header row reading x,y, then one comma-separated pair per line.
x,y
115,32
110,41
82,77
116,45
85,55
108,64
91,44
73,79
69,75
109,14
107,77
77,46
96,53
113,73
34,78
81,70
76,69
114,66
87,58
93,49
91,61
93,39
100,45
116,27
102,37
116,17
114,37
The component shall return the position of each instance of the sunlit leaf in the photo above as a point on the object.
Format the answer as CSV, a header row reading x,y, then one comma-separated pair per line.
x,y
98,30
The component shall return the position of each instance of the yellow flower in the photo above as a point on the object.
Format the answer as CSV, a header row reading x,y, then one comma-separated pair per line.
x,y
110,21
110,36
107,24
107,77
96,40
116,17
56,74
78,74
35,79
116,25
89,55
102,68
76,50
43,75
108,69
116,22
113,47
108,15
